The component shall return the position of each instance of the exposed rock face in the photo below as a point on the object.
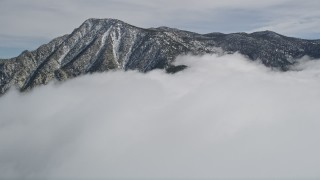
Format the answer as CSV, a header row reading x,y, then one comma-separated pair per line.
x,y
103,44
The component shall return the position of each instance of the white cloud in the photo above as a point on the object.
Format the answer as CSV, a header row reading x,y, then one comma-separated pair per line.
x,y
221,117
34,18
297,19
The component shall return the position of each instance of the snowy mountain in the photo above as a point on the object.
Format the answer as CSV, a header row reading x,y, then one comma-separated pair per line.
x,y
104,44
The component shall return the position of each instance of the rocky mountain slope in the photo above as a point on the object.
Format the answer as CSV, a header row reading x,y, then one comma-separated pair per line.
x,y
104,44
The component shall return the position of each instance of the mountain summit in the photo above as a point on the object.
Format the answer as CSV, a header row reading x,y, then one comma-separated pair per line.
x,y
105,44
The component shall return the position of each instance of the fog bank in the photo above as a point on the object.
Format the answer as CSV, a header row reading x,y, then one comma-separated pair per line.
x,y
223,117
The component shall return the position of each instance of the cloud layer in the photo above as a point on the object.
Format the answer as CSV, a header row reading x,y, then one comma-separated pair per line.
x,y
221,117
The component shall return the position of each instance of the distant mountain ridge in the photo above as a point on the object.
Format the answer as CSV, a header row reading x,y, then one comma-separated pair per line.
x,y
104,44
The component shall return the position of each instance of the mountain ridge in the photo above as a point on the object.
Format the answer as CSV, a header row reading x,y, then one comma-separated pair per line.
x,y
99,45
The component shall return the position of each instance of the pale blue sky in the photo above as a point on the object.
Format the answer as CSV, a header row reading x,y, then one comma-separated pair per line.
x,y
26,24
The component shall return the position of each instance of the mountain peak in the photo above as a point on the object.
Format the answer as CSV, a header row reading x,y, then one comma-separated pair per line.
x,y
100,45
267,33
101,23
98,20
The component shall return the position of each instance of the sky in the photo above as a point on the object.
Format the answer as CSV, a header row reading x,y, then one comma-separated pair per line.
x,y
223,117
27,24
